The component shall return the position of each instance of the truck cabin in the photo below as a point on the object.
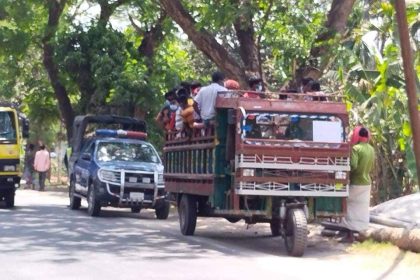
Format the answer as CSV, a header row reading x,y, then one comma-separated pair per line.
x,y
8,123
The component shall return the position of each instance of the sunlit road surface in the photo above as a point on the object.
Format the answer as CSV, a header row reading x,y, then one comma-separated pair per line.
x,y
42,239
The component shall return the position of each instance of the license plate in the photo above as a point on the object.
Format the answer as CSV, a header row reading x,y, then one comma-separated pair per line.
x,y
137,196
132,179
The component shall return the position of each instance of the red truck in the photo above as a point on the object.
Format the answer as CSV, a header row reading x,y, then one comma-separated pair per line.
x,y
270,160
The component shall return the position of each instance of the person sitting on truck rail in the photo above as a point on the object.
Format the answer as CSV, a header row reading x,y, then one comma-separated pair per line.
x,y
205,100
187,109
316,89
166,115
312,87
255,85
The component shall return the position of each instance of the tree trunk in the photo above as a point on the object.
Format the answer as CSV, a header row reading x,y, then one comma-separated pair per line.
x,y
107,9
246,36
336,23
55,9
410,80
152,38
204,41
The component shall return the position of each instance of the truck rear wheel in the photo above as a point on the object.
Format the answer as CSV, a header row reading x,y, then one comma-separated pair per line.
x,y
275,226
10,199
94,205
233,219
296,233
162,212
75,201
187,210
135,209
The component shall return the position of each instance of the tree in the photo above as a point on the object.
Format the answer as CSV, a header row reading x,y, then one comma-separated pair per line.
x,y
372,74
55,10
246,15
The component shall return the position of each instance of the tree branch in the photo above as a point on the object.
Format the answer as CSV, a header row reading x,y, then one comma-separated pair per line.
x,y
204,41
108,9
336,24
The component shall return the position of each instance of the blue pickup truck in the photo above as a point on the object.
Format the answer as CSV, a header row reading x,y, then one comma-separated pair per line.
x,y
115,167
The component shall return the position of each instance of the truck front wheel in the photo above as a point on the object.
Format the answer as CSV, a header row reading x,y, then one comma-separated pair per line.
x,y
187,210
10,199
296,232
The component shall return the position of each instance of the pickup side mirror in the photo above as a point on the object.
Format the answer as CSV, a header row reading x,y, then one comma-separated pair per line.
x,y
86,156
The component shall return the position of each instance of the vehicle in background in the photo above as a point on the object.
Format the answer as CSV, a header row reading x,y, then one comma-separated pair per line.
x,y
10,148
277,161
111,164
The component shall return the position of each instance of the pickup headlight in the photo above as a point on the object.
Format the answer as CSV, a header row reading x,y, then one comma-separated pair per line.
x,y
248,172
10,168
110,176
160,179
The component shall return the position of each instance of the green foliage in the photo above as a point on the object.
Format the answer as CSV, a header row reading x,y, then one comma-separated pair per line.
x,y
103,70
94,61
374,85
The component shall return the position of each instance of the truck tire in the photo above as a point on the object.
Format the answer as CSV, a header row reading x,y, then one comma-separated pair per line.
x,y
135,209
187,210
296,233
94,205
162,212
275,227
75,201
233,220
10,199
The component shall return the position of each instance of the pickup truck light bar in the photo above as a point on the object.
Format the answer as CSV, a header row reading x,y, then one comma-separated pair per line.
x,y
121,133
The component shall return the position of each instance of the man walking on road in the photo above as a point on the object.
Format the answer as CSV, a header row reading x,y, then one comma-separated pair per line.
x,y
42,164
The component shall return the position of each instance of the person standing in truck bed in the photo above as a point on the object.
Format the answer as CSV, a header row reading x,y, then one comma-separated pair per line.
x,y
205,100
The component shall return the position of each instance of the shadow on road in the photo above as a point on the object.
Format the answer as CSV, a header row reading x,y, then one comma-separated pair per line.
x,y
72,234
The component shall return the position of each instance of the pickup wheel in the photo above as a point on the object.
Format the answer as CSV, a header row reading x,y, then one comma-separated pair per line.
x,y
162,212
94,205
296,233
187,210
135,209
10,199
75,201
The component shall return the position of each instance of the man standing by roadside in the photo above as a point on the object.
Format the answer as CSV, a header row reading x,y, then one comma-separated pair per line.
x,y
361,163
205,100
42,164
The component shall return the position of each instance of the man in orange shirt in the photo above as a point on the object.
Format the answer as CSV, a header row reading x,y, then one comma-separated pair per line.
x,y
42,164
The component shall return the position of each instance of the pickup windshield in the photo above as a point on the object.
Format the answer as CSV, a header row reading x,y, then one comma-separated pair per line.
x,y
304,127
128,152
7,128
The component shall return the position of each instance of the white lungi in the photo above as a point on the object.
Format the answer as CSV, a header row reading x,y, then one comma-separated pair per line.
x,y
357,218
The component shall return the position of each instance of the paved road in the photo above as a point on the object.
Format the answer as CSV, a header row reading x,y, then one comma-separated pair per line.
x,y
42,239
